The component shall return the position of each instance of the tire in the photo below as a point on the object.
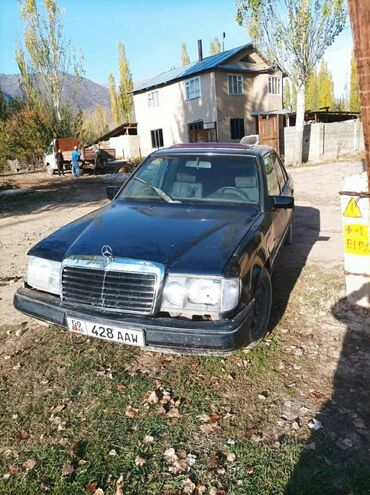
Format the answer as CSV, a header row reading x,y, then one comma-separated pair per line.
x,y
262,309
289,236
49,170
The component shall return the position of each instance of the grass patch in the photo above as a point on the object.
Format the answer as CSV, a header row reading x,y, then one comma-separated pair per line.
x,y
80,414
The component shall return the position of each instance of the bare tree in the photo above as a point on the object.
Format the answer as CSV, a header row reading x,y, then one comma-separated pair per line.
x,y
294,35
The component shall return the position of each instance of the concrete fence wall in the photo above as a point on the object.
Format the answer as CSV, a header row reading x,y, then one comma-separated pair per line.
x,y
321,141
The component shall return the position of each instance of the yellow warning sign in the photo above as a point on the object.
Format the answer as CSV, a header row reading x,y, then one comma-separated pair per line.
x,y
352,209
356,239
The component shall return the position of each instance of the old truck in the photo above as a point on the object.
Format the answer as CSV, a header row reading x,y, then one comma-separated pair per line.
x,y
67,145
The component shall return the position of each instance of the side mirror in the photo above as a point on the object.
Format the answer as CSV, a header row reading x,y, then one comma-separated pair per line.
x,y
112,191
286,202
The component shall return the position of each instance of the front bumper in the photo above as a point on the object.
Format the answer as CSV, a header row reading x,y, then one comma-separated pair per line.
x,y
166,334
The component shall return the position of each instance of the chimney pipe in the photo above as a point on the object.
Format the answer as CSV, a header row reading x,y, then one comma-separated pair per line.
x,y
200,51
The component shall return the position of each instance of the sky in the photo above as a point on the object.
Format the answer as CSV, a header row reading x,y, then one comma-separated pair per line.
x,y
152,32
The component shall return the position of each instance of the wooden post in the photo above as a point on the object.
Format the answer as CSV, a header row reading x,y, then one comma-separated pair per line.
x,y
359,11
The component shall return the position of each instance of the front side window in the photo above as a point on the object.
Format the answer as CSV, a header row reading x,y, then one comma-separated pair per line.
x,y
235,84
237,128
274,85
196,179
279,170
157,138
192,88
153,99
273,187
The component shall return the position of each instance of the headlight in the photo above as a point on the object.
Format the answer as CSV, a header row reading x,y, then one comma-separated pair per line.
x,y
200,295
43,274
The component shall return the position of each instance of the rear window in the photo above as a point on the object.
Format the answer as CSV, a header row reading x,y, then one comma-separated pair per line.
x,y
198,178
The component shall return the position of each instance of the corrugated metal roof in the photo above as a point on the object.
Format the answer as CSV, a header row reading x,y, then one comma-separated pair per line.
x,y
190,70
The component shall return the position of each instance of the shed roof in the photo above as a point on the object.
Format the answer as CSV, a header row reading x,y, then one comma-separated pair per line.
x,y
117,131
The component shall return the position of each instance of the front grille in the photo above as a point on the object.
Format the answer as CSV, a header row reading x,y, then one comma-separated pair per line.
x,y
110,290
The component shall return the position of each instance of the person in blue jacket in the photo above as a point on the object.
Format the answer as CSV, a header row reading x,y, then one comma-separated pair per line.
x,y
74,160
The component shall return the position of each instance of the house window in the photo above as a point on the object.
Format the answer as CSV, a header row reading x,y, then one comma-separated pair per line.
x,y
153,99
235,84
237,128
192,88
157,138
275,85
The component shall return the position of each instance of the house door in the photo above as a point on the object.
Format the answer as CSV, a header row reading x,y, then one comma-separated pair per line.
x,y
269,130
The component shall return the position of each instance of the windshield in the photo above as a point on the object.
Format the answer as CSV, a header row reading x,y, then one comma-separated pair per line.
x,y
196,178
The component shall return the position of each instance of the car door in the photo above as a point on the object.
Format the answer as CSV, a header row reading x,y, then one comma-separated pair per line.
x,y
278,216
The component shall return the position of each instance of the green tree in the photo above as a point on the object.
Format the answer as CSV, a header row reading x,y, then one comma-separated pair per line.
x,y
215,47
325,87
354,94
95,124
125,85
294,35
319,91
46,56
312,91
185,59
3,107
114,101
287,98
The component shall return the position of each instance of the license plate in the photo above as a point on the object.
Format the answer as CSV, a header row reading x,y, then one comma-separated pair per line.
x,y
105,332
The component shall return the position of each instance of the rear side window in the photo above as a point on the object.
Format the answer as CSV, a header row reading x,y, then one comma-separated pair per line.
x,y
273,187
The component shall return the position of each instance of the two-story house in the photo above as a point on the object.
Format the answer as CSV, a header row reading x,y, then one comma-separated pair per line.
x,y
208,100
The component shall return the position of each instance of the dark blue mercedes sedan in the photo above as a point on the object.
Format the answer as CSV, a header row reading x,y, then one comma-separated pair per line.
x,y
180,260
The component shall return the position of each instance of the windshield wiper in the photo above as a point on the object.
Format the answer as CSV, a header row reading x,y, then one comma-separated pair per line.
x,y
160,193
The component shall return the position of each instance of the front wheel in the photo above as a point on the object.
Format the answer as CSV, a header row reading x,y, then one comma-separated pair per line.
x,y
262,308
49,170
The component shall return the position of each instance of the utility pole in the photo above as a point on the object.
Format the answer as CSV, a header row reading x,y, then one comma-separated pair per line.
x,y
359,11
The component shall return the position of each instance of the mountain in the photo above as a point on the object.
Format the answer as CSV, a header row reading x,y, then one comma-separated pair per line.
x,y
89,93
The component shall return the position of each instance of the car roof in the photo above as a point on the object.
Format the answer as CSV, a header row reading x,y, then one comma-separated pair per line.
x,y
215,148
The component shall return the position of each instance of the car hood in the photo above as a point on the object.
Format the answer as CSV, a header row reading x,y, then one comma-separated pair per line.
x,y
197,239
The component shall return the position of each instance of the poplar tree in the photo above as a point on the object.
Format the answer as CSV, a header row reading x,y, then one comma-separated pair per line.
x,y
354,94
320,89
325,87
46,56
125,85
293,35
215,47
114,103
312,92
287,99
185,60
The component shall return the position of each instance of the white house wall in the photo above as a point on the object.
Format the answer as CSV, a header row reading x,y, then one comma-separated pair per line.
x,y
174,113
